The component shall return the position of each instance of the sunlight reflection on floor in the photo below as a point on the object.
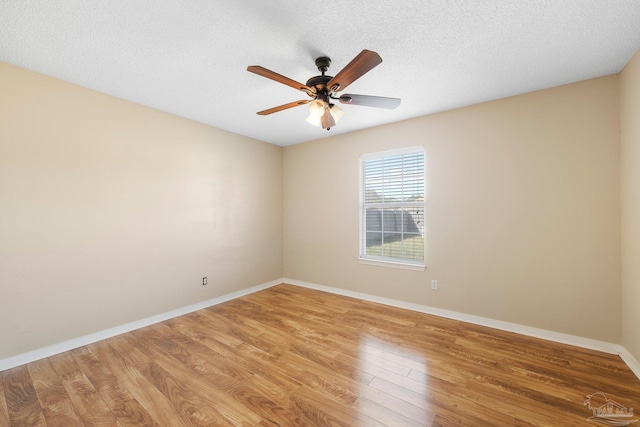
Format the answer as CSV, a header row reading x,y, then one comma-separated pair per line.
x,y
400,385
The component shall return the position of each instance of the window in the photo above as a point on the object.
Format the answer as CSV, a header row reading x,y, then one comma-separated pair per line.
x,y
392,207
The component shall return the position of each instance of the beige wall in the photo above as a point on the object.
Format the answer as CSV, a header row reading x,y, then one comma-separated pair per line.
x,y
111,212
522,210
630,195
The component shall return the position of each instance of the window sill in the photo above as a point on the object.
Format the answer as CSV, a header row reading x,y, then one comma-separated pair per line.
x,y
392,264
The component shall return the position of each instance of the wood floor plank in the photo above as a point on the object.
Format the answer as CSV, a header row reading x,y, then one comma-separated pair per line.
x,y
231,359
56,405
124,406
22,402
203,377
189,404
387,416
190,386
64,363
4,414
151,399
324,412
291,356
347,366
525,408
180,404
87,401
334,386
399,406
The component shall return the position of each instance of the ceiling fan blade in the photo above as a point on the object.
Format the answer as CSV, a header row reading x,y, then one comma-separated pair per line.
x,y
327,120
283,107
355,69
261,71
370,101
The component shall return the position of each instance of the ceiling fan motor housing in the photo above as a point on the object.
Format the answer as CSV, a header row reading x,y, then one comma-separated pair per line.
x,y
319,82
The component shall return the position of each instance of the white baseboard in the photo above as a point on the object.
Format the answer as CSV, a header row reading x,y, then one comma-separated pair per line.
x,y
574,340
51,350
631,361
577,341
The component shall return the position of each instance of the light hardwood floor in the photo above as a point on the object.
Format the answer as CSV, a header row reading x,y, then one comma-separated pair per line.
x,y
290,356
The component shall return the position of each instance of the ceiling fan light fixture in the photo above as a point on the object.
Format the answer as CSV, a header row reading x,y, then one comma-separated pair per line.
x,y
314,120
336,112
316,108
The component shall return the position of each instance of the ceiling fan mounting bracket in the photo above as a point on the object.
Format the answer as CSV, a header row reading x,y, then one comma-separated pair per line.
x,y
323,64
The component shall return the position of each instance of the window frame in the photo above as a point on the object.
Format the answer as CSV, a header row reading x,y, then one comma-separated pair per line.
x,y
363,258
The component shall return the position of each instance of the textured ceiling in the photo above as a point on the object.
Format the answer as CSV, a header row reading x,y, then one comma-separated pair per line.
x,y
189,58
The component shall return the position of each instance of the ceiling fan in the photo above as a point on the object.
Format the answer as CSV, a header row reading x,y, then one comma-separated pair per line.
x,y
324,89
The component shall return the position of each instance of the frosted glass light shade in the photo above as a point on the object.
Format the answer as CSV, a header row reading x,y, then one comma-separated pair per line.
x,y
337,113
314,120
316,108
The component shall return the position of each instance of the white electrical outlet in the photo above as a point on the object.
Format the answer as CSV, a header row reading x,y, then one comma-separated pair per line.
x,y
204,281
434,285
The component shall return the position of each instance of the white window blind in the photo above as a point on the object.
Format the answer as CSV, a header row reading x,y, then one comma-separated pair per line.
x,y
392,206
